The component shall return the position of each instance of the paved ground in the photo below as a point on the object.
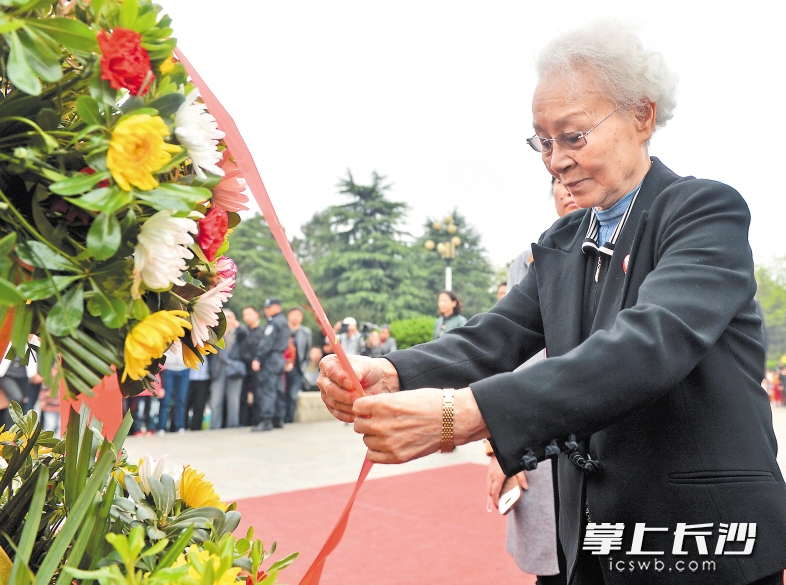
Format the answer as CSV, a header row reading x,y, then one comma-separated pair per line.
x,y
243,464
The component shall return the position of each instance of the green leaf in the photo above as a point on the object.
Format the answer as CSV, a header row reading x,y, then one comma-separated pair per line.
x,y
30,531
128,13
78,183
106,199
168,104
7,24
19,71
145,21
103,238
111,308
7,244
41,55
38,290
175,196
47,119
77,514
73,34
67,314
21,330
87,109
42,256
90,358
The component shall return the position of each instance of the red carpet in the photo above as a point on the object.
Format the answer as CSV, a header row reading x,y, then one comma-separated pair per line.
x,y
428,527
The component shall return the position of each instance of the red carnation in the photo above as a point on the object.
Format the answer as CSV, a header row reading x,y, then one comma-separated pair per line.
x,y
124,62
212,231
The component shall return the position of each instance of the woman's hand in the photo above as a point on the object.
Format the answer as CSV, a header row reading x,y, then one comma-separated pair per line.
x,y
376,376
496,478
404,426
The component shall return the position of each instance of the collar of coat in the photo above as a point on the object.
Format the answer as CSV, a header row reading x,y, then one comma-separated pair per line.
x,y
560,265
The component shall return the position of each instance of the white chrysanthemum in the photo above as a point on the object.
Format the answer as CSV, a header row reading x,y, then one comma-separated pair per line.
x,y
149,467
161,252
197,130
204,313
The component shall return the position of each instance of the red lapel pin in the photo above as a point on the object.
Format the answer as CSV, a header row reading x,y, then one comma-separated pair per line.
x,y
625,263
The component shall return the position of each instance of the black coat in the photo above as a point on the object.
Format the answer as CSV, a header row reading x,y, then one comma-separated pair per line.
x,y
665,391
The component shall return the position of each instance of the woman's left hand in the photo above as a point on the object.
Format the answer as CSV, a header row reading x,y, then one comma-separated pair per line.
x,y
407,425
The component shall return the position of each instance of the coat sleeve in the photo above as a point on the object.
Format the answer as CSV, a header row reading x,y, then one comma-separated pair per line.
x,y
489,343
703,277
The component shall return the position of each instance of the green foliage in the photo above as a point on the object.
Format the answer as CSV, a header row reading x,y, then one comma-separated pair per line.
x,y
65,515
359,258
473,275
771,294
409,332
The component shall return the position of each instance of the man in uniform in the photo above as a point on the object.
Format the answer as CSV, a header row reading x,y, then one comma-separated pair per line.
x,y
268,365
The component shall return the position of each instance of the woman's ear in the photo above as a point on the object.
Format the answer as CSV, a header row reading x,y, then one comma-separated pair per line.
x,y
645,119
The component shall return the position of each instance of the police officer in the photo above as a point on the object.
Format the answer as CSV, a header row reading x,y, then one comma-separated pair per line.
x,y
268,365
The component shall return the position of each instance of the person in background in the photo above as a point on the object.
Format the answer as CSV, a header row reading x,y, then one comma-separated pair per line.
x,y
350,339
300,337
450,317
532,531
227,371
14,379
373,345
174,379
502,289
388,342
268,366
141,408
198,392
248,337
33,390
311,372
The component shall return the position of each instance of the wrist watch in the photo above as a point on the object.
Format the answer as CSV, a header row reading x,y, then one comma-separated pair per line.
x,y
446,445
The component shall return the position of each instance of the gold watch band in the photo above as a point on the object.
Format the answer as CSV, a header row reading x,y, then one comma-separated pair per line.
x,y
446,446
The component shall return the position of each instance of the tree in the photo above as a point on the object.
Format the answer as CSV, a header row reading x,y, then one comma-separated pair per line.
x,y
359,257
262,270
771,294
473,274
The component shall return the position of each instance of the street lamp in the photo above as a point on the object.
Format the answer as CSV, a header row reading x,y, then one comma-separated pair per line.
x,y
447,247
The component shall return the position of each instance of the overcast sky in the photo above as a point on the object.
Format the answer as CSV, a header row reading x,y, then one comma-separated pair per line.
x,y
436,95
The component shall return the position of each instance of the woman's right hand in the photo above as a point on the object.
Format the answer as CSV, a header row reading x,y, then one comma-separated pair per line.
x,y
496,478
377,375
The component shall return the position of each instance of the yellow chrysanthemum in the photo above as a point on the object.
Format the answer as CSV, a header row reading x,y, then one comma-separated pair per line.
x,y
7,437
196,492
191,359
149,339
137,150
167,66
226,578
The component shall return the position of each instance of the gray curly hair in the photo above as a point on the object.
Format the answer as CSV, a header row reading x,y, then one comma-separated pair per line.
x,y
626,72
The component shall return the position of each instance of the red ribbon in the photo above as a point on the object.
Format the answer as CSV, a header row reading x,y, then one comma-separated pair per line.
x,y
245,162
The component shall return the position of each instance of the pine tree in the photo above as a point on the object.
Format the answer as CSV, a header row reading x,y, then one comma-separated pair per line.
x,y
359,257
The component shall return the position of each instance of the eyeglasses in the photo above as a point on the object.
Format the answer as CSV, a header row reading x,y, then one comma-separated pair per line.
x,y
566,141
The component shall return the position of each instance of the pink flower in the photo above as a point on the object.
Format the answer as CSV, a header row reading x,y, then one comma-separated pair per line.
x,y
229,192
226,270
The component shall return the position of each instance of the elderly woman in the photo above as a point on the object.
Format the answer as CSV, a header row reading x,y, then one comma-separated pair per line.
x,y
651,395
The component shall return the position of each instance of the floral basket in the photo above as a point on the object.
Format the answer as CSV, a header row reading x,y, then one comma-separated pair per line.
x,y
116,195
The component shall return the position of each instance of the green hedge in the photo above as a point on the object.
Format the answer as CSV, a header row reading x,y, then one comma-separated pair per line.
x,y
409,332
